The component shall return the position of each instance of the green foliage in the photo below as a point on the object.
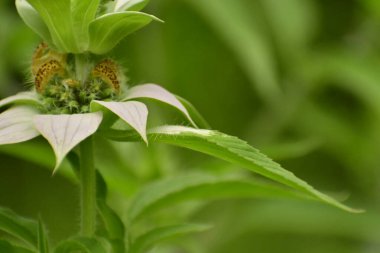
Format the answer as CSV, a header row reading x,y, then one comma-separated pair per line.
x,y
21,228
233,150
107,31
147,240
297,79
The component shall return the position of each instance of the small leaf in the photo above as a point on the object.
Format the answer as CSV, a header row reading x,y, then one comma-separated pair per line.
x,y
64,132
82,245
233,150
29,97
146,241
133,113
57,17
43,246
32,19
130,5
108,30
83,12
21,228
199,186
156,92
16,125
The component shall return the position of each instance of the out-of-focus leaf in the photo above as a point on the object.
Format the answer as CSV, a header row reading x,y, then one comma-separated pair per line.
x,y
231,19
32,19
293,24
145,241
199,186
21,228
21,98
290,150
114,227
156,92
7,247
133,113
108,30
82,245
43,245
83,12
130,5
233,150
57,17
16,125
64,132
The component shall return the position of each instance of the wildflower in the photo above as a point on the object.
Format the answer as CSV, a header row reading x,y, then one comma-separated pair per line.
x,y
73,91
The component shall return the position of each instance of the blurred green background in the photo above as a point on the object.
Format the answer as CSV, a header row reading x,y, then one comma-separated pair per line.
x,y
298,79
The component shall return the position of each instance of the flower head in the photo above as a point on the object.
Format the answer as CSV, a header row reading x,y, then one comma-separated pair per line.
x,y
74,91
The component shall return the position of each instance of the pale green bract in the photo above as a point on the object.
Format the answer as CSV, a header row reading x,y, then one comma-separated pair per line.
x,y
74,27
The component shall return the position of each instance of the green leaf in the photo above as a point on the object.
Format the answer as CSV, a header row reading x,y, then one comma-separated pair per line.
x,y
199,186
16,125
43,245
82,245
156,92
21,228
57,17
133,113
130,5
64,132
108,30
29,97
114,227
32,19
146,241
7,247
83,13
233,150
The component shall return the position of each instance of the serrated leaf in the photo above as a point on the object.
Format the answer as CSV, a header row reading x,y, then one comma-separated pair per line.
x,y
82,245
28,97
133,113
198,186
130,5
108,30
83,13
57,17
16,125
43,246
156,92
21,228
234,150
146,241
32,19
64,132
7,247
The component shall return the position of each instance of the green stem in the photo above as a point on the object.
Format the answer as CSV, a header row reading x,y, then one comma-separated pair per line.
x,y
88,188
81,67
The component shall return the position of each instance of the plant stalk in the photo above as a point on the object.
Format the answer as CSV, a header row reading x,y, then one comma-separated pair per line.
x,y
81,67
88,188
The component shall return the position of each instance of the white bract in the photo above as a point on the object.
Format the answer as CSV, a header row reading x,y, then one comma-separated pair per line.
x,y
24,121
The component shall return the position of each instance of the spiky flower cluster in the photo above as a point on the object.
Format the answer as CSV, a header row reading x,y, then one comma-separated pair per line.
x,y
63,91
